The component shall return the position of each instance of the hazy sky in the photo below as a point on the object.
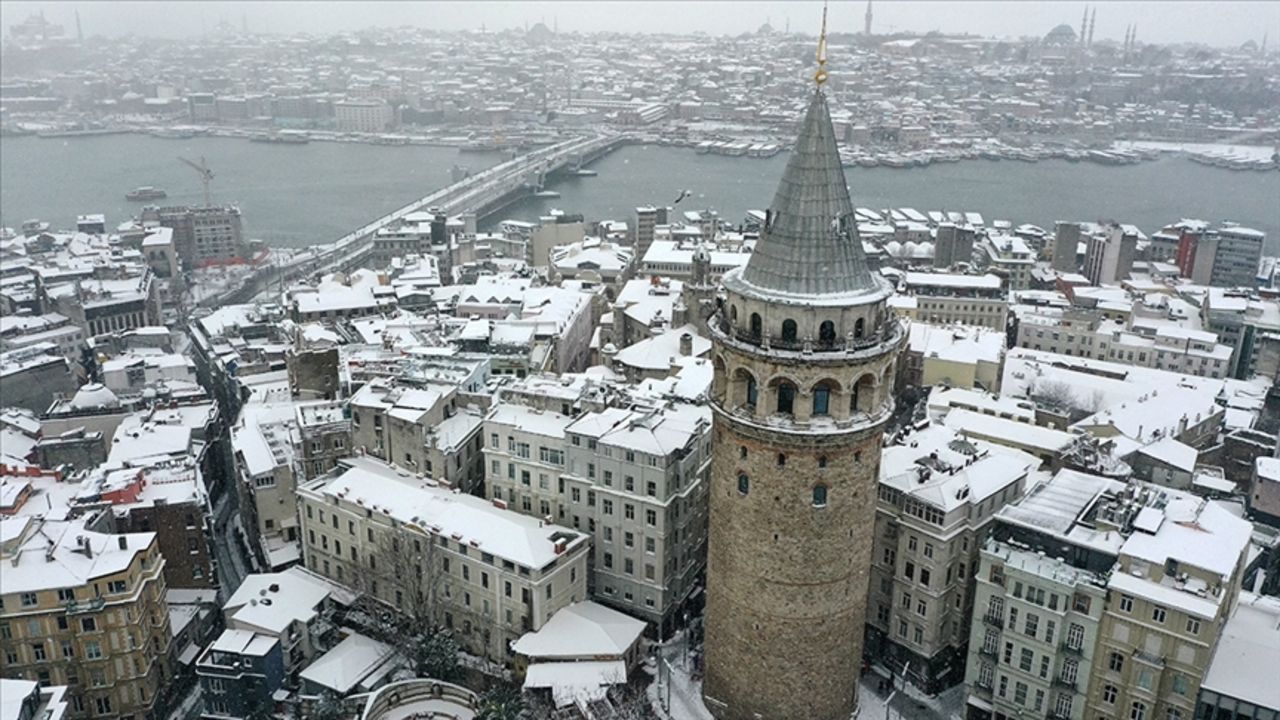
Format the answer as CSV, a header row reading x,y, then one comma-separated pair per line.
x,y
1211,21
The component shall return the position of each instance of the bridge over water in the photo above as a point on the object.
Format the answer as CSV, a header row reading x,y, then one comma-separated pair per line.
x,y
482,194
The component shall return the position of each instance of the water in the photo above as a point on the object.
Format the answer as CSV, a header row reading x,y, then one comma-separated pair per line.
x,y
315,193
1149,195
291,195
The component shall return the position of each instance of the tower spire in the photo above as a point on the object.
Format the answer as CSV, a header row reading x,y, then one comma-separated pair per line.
x,y
866,28
1084,24
820,77
1093,20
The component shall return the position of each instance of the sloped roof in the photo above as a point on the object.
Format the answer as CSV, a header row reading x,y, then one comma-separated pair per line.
x,y
810,245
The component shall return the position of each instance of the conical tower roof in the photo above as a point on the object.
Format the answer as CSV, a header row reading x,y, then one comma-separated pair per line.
x,y
809,245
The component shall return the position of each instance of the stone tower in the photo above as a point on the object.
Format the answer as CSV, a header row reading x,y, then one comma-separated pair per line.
x,y
803,350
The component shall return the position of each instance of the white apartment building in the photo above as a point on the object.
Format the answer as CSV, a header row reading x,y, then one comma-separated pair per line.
x,y
371,116
636,479
937,494
419,547
946,298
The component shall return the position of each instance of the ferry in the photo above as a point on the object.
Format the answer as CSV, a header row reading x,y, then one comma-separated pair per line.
x,y
546,194
172,133
281,138
146,192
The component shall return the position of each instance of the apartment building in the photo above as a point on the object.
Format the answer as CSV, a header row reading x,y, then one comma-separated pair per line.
x,y
1009,257
419,547
1087,333
369,115
1225,257
1176,580
1040,591
422,429
87,610
1108,255
635,479
959,356
937,495
945,298
202,235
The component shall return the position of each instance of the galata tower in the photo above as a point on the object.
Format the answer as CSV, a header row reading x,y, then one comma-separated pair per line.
x,y
804,348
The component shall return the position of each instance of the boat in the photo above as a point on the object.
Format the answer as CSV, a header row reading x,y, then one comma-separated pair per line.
x,y
281,138
172,133
584,172
146,192
546,194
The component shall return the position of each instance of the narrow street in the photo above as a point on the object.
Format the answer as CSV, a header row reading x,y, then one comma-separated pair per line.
x,y
232,567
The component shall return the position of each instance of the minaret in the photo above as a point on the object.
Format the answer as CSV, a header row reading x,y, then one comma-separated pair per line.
x,y
80,31
866,25
1093,20
1084,25
803,351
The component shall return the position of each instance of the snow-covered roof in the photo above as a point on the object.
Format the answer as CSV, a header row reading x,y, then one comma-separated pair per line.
x,y
574,682
295,597
1248,653
347,663
583,630
1172,453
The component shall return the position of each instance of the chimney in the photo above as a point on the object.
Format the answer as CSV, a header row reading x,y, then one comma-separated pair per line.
x,y
686,344
124,541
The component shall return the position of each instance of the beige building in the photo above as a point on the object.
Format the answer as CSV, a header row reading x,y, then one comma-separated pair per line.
x,y
955,356
370,116
1175,583
420,548
86,610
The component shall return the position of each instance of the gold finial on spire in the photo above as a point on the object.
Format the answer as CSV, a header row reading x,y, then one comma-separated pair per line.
x,y
820,77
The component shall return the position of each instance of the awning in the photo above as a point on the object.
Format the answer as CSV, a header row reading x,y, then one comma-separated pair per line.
x,y
188,654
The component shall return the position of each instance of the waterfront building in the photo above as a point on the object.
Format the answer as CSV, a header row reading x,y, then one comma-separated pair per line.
x,y
371,115
87,610
202,235
1066,247
1225,257
952,244
804,354
418,547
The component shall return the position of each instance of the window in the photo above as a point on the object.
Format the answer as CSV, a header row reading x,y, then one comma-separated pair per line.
x,y
821,400
827,334
28,599
1126,603
789,330
1145,679
88,624
1193,626
1075,636
1115,661
756,325
92,650
651,517
1158,613
1062,706
1032,625
786,398
819,495
1020,693
1181,685
1138,711
1109,694
1027,660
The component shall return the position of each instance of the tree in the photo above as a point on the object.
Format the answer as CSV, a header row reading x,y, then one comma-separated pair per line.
x,y
328,706
435,654
501,702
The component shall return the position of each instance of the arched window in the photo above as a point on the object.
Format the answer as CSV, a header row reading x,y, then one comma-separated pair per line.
x,y
822,461
858,327
782,459
819,495
753,393
742,452
744,483
756,325
786,398
863,394
788,330
827,334
821,400
733,314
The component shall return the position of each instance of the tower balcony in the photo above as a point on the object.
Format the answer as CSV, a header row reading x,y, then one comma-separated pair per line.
x,y
849,347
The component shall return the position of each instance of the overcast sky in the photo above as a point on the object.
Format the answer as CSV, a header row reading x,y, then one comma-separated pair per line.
x,y
1210,21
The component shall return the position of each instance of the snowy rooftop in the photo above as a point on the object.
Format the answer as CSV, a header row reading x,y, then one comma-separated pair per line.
x,y
296,595
957,343
656,353
349,662
530,420
583,630
70,566
1248,653
997,430
938,466
511,536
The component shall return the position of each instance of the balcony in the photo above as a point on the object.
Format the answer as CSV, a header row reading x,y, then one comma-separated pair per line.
x,y
92,605
1061,682
1071,649
988,652
993,620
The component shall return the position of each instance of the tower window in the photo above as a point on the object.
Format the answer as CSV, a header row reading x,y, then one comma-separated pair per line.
x,y
744,483
782,459
786,398
753,392
789,330
819,495
827,334
821,400
756,325
742,452
858,328
822,461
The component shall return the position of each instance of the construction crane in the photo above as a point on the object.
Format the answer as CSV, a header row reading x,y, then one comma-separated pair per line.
x,y
206,175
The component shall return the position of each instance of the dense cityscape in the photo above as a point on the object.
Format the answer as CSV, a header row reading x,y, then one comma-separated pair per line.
x,y
820,460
